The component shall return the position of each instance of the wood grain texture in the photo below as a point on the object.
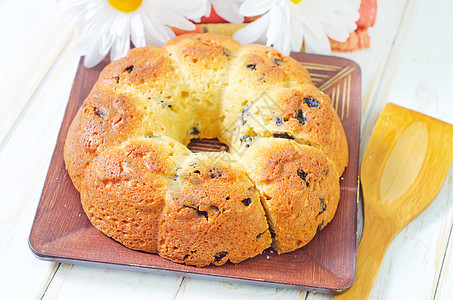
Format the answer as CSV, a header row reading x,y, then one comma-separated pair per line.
x,y
61,231
191,287
402,139
445,283
416,75
374,61
25,160
24,66
99,283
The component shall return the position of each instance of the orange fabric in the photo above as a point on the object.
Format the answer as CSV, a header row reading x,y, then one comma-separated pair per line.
x,y
359,39
198,29
368,12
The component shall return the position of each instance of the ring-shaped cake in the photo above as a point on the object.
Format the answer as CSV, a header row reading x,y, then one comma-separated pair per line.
x,y
278,184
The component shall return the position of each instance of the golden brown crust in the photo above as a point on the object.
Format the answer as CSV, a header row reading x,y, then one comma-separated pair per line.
x,y
103,120
299,187
213,214
124,190
305,114
141,186
140,66
256,70
268,66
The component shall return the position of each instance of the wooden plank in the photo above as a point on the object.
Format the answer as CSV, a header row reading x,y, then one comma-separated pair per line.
x,y
199,289
419,72
373,60
83,282
445,284
25,159
417,76
35,38
317,296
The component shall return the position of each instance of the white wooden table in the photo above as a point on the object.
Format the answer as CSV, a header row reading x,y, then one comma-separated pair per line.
x,y
410,63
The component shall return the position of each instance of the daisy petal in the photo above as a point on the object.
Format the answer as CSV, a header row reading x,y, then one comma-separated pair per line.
x,y
119,49
173,19
192,9
252,8
105,44
156,33
316,42
275,33
137,31
92,55
229,10
338,33
297,34
253,32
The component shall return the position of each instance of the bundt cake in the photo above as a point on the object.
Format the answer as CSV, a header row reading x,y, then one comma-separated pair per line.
x,y
126,151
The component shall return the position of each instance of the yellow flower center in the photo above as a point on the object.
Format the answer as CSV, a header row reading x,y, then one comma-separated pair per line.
x,y
296,1
125,5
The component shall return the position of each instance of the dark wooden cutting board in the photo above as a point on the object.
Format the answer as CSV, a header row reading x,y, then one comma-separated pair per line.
x,y
61,232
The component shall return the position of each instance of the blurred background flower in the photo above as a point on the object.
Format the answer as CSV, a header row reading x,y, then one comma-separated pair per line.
x,y
287,25
111,25
226,9
315,26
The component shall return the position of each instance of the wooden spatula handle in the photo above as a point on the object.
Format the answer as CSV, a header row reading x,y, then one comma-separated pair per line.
x,y
403,169
371,251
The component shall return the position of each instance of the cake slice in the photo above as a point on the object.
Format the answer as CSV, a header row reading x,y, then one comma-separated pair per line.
x,y
213,214
299,189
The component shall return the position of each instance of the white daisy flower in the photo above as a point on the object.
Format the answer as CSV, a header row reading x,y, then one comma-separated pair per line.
x,y
111,25
287,24
226,9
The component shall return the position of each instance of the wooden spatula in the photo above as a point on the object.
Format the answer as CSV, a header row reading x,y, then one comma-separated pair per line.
x,y
404,166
